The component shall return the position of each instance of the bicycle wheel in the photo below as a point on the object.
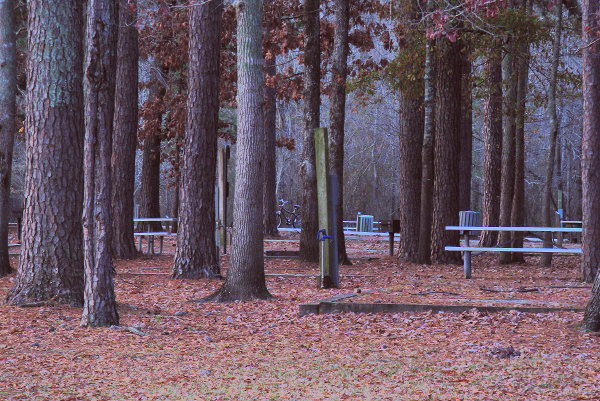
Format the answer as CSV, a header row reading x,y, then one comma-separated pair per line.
x,y
297,222
279,220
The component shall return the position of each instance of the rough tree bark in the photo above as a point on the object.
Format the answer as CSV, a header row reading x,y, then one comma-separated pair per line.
x,y
270,168
125,132
466,132
337,115
446,150
517,216
100,306
196,254
590,149
309,247
8,96
150,179
51,263
409,201
547,209
246,275
492,156
177,179
590,159
507,181
427,173
410,148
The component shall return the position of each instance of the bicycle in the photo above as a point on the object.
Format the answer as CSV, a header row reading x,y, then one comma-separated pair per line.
x,y
287,217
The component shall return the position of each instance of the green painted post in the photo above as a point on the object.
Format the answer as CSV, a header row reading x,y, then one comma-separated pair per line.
x,y
323,190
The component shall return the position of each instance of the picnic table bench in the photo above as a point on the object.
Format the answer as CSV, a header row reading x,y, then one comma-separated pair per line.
x,y
150,235
467,249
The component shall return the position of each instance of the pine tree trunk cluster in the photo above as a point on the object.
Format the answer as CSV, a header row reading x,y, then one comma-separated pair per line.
x,y
504,136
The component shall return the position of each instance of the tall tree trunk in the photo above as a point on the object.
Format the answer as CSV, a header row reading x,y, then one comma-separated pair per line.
x,y
590,160
51,263
270,172
427,173
507,181
125,132
151,152
337,115
492,156
309,247
466,132
569,181
411,144
246,276
100,307
578,184
517,216
8,97
446,150
196,254
176,179
548,210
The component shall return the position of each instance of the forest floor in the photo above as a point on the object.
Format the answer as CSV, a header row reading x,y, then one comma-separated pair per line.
x,y
172,349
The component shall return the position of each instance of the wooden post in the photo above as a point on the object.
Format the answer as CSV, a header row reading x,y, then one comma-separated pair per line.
x,y
222,190
323,203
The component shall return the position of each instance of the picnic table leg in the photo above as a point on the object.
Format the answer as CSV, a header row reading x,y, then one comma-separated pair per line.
x,y
391,244
467,264
467,258
161,245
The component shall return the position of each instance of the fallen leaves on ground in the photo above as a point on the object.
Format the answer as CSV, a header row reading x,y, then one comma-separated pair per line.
x,y
263,350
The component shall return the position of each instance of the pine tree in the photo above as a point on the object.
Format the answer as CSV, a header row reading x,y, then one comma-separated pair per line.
x,y
309,247
100,307
246,275
591,161
51,263
125,131
196,254
8,95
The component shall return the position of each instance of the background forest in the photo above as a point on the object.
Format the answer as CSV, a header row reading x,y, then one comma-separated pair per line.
x,y
373,104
